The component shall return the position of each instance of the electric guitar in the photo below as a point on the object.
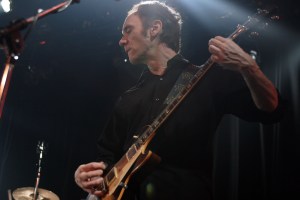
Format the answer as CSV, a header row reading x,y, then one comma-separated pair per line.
x,y
116,180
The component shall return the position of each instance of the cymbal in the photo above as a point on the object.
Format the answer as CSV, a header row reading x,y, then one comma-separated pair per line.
x,y
26,193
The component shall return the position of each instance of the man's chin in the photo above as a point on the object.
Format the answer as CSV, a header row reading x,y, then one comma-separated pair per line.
x,y
134,61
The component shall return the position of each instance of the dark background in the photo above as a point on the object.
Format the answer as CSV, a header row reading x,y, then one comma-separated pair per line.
x,y
72,70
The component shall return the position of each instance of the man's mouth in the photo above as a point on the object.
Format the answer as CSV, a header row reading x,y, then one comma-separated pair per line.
x,y
127,50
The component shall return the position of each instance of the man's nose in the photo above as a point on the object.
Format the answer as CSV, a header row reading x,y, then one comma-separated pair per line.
x,y
122,41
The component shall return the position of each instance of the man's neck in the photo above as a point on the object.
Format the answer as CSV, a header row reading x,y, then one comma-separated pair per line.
x,y
157,63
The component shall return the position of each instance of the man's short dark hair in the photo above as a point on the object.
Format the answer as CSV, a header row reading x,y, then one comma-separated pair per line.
x,y
149,11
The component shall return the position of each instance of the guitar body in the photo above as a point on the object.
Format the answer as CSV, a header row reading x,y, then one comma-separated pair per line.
x,y
144,164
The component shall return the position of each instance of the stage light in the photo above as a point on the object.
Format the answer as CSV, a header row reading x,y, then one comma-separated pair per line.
x,y
5,5
207,11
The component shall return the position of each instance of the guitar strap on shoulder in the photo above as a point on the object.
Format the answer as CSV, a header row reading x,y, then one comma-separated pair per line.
x,y
186,75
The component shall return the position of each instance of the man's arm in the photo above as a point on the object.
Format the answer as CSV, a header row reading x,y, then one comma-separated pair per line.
x,y
230,56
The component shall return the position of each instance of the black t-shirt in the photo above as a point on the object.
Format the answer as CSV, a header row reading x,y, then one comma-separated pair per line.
x,y
184,141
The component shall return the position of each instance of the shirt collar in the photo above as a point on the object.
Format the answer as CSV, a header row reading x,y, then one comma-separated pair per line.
x,y
177,60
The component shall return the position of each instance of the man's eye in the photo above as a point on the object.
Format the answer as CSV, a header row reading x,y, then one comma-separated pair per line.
x,y
127,30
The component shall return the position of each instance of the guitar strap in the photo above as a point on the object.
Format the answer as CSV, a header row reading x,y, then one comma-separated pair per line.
x,y
183,79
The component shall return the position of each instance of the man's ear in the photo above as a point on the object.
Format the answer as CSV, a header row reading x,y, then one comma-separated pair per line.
x,y
155,29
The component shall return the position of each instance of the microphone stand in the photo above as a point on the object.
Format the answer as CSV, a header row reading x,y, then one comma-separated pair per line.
x,y
12,42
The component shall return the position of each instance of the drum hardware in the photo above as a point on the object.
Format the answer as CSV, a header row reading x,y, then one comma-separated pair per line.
x,y
35,193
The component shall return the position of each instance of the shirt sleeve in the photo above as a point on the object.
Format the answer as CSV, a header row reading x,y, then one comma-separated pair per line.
x,y
110,143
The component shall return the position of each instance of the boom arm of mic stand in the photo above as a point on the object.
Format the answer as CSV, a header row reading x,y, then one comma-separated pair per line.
x,y
13,44
21,24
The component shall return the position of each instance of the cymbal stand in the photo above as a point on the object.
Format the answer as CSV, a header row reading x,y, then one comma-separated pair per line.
x,y
9,195
40,149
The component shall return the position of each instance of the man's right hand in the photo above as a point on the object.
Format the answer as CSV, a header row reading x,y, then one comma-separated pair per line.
x,y
89,177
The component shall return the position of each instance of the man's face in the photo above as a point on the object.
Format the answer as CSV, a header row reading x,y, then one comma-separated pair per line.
x,y
135,40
